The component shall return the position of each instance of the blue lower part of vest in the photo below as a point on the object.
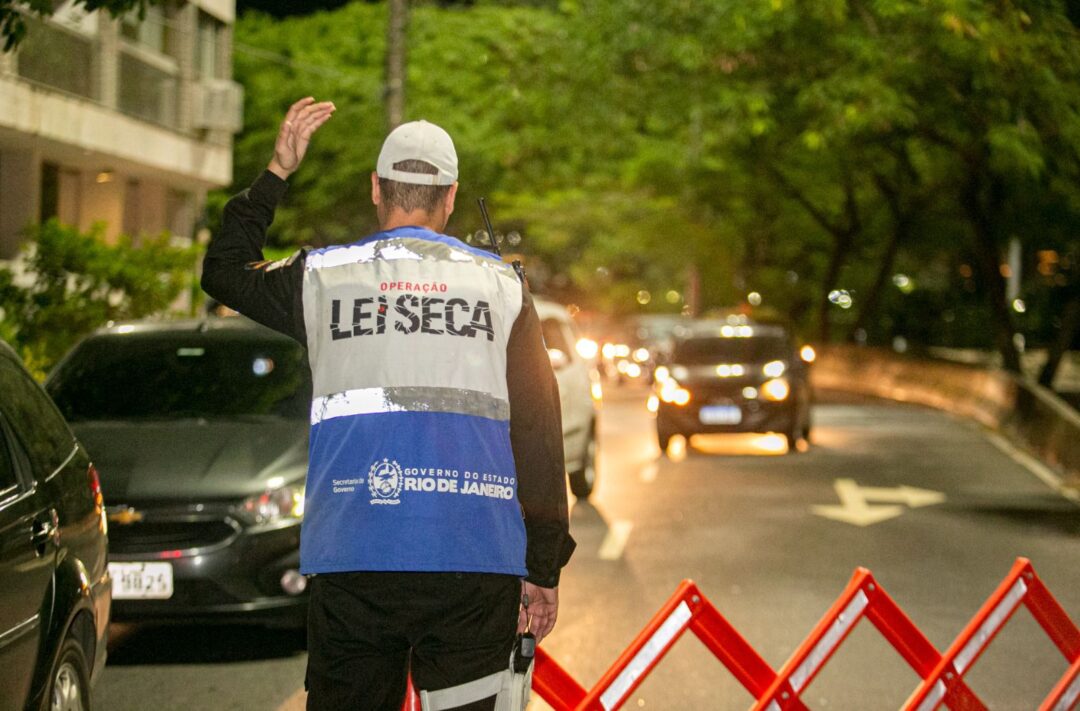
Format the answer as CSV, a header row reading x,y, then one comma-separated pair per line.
x,y
412,491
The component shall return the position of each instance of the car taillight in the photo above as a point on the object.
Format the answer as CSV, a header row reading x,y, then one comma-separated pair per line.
x,y
95,487
94,481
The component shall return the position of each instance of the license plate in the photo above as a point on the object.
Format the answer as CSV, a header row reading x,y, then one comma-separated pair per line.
x,y
141,581
720,415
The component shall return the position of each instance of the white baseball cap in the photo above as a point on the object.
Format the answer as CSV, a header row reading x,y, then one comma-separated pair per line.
x,y
418,140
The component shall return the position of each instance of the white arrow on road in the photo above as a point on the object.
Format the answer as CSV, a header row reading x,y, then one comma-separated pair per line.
x,y
855,507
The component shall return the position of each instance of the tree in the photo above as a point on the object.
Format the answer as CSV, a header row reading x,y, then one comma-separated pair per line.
x,y
397,27
77,282
881,151
1001,108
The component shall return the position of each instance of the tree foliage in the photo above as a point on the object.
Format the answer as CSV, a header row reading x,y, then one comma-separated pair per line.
x,y
74,282
860,164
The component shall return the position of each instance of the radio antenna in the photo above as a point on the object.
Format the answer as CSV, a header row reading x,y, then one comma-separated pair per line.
x,y
487,226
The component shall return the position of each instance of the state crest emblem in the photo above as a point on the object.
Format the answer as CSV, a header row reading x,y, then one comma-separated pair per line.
x,y
384,482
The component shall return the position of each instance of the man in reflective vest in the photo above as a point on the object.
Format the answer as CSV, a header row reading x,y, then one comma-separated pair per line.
x,y
435,495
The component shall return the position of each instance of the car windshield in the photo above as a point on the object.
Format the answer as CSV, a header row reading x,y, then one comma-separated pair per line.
x,y
719,349
180,376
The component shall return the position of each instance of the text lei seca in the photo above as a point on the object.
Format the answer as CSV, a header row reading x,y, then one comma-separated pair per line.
x,y
433,315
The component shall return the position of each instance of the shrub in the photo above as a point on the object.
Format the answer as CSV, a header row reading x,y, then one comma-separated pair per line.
x,y
74,282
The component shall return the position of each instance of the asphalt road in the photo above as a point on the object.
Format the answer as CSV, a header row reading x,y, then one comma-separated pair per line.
x,y
738,516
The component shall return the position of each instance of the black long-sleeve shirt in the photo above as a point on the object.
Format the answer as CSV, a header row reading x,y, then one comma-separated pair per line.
x,y
235,273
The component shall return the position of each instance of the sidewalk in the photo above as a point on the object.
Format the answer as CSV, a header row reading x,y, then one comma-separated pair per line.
x,y
1066,381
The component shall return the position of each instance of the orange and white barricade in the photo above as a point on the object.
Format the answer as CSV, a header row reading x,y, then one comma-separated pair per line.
x,y
942,675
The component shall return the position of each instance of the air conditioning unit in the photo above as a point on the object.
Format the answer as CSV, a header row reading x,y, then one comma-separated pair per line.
x,y
218,104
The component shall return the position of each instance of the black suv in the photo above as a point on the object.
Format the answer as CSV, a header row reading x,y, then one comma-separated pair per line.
x,y
55,590
732,376
200,431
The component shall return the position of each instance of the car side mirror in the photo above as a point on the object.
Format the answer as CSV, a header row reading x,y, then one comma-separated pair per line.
x,y
558,358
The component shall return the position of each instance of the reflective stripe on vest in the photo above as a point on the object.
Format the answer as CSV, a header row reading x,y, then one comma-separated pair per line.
x,y
410,464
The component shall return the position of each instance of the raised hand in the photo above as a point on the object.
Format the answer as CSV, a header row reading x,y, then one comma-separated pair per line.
x,y
302,120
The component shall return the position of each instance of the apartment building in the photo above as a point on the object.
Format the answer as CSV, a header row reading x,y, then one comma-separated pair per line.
x,y
127,122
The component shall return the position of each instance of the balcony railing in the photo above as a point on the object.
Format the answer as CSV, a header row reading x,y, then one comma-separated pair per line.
x,y
59,58
66,55
147,90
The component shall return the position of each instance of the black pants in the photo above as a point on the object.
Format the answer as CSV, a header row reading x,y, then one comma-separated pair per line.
x,y
367,630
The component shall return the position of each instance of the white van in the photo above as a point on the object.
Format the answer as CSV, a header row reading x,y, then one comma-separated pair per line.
x,y
579,392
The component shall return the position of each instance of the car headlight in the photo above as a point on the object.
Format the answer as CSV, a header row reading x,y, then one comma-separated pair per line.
x,y
774,369
776,389
672,392
283,503
587,348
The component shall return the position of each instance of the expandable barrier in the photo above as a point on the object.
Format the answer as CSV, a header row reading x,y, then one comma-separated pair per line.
x,y
1021,585
941,674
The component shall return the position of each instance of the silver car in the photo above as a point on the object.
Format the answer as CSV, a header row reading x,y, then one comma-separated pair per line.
x,y
579,392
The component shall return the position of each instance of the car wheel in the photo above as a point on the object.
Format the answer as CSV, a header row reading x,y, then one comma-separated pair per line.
x,y
69,683
663,437
583,480
792,437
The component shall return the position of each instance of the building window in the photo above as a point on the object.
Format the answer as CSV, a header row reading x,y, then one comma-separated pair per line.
x,y
208,52
44,43
180,213
149,82
69,205
148,90
50,191
154,32
132,220
61,194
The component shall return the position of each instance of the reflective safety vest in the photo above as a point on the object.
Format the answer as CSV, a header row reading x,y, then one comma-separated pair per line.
x,y
410,463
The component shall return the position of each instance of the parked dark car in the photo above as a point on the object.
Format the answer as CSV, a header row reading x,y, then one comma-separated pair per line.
x,y
733,376
200,430
54,580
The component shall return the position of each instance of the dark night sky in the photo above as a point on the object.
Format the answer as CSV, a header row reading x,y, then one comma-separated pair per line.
x,y
284,8
281,8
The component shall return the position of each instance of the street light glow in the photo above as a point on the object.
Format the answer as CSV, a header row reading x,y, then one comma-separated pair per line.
x,y
841,297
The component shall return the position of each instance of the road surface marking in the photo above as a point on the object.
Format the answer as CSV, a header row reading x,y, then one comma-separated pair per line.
x,y
855,507
649,472
615,540
1045,474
